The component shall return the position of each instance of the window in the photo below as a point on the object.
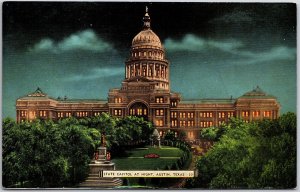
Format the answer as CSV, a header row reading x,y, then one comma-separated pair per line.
x,y
255,113
23,113
118,100
190,115
173,103
191,134
182,123
159,122
159,112
230,114
174,123
221,115
68,114
267,113
81,114
60,114
139,111
206,124
173,114
118,112
245,113
181,115
190,123
159,100
43,114
132,112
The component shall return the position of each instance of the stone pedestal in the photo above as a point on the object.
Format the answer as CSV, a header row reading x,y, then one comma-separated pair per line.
x,y
94,179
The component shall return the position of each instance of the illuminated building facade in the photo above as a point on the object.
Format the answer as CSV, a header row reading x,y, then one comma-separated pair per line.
x,y
145,92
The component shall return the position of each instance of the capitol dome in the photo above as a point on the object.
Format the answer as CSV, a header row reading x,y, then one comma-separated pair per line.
x,y
146,38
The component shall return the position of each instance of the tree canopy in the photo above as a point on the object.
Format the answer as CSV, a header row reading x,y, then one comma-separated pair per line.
x,y
44,153
251,155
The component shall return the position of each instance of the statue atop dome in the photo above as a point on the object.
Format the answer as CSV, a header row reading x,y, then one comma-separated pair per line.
x,y
146,20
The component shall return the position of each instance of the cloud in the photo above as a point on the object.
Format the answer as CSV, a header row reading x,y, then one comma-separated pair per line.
x,y
274,54
96,73
237,49
235,17
191,42
83,40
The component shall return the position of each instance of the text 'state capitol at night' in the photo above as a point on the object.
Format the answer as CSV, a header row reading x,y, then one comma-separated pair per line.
x,y
145,92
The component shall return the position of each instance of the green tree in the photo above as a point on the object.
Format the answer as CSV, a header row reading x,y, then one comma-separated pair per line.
x,y
251,155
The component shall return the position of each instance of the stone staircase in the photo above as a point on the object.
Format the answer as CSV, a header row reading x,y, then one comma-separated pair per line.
x,y
94,181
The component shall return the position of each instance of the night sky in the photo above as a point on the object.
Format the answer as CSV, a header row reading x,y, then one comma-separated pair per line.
x,y
216,50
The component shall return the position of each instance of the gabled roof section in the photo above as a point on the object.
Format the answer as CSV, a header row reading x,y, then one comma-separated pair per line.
x,y
257,93
37,93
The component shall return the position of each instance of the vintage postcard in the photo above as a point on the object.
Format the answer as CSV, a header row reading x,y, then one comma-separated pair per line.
x,y
149,95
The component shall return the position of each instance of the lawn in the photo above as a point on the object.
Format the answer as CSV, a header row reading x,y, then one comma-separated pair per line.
x,y
136,161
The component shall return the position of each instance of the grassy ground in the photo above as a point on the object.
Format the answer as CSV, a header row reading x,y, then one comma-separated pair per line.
x,y
136,161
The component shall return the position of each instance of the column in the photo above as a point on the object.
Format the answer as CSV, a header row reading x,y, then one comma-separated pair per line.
x,y
159,75
147,70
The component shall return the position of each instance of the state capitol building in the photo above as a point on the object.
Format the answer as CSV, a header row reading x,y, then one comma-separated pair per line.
x,y
145,92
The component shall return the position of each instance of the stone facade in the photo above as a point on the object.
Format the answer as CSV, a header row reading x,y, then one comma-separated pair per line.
x,y
145,92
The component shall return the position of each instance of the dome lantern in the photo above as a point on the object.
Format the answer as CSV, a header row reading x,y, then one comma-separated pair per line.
x,y
146,20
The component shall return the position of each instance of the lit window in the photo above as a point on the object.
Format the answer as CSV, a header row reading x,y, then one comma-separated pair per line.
x,y
68,114
60,114
190,123
159,123
245,113
255,113
173,115
159,99
23,113
157,112
221,114
43,114
132,112
174,123
267,113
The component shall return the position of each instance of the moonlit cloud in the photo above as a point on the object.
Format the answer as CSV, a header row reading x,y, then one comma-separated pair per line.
x,y
235,17
83,40
191,42
276,53
237,49
96,73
